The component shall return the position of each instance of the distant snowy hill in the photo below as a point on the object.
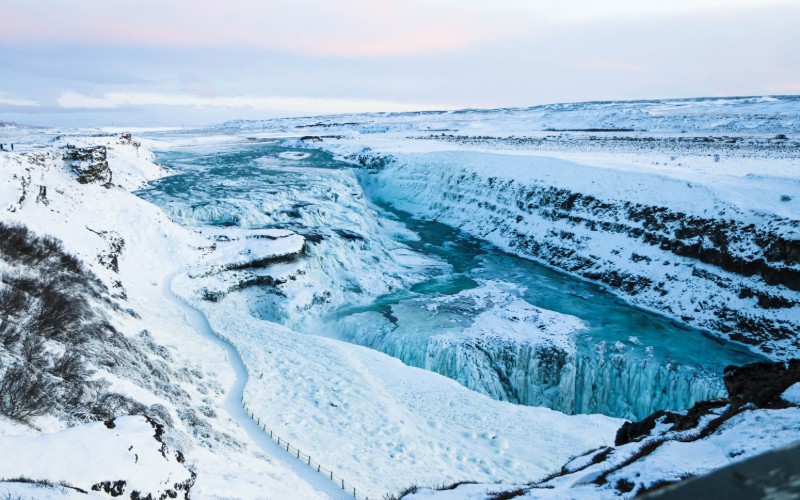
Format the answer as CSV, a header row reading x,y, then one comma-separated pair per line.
x,y
760,115
13,125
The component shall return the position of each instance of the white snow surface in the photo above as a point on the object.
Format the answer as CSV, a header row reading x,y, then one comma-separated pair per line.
x,y
382,424
792,394
743,436
507,316
128,451
375,421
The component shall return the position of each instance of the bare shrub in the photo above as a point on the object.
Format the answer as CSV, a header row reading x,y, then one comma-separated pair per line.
x,y
10,334
160,414
56,313
24,393
112,405
13,302
51,321
33,352
71,368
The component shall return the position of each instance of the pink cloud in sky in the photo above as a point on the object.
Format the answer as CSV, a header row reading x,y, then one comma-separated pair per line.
x,y
342,28
354,28
784,88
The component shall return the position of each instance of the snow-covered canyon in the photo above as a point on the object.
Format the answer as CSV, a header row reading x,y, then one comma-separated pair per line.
x,y
561,267
662,242
452,320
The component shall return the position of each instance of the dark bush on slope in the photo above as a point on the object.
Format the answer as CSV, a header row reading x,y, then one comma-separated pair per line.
x,y
71,368
53,334
24,393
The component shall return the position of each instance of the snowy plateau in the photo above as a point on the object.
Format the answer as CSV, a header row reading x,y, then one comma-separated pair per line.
x,y
590,300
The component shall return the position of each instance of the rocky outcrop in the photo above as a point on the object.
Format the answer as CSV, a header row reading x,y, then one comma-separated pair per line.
x,y
757,385
89,164
731,247
760,383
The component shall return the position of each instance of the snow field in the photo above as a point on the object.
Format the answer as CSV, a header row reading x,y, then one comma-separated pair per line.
x,y
93,453
384,425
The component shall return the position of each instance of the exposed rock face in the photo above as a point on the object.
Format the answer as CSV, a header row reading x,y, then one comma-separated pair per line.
x,y
760,383
636,431
125,457
732,247
90,164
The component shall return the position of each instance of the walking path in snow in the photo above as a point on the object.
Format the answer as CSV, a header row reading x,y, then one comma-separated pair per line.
x,y
233,400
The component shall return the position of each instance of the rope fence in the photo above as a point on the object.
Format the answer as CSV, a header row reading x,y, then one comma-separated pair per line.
x,y
305,458
282,443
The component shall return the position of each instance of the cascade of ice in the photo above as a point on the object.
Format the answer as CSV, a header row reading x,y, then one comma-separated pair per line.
x,y
542,375
616,381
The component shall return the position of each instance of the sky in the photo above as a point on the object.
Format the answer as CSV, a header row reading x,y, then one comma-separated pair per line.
x,y
191,62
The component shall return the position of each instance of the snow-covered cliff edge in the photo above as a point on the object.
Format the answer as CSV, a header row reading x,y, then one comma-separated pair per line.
x,y
722,256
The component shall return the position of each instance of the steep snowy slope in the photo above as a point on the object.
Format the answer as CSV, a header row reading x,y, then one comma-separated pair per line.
x,y
133,248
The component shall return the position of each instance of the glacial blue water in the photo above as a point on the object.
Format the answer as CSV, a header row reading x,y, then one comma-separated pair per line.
x,y
629,362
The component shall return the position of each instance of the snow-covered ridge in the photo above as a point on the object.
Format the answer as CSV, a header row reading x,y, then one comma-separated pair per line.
x,y
760,115
125,455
